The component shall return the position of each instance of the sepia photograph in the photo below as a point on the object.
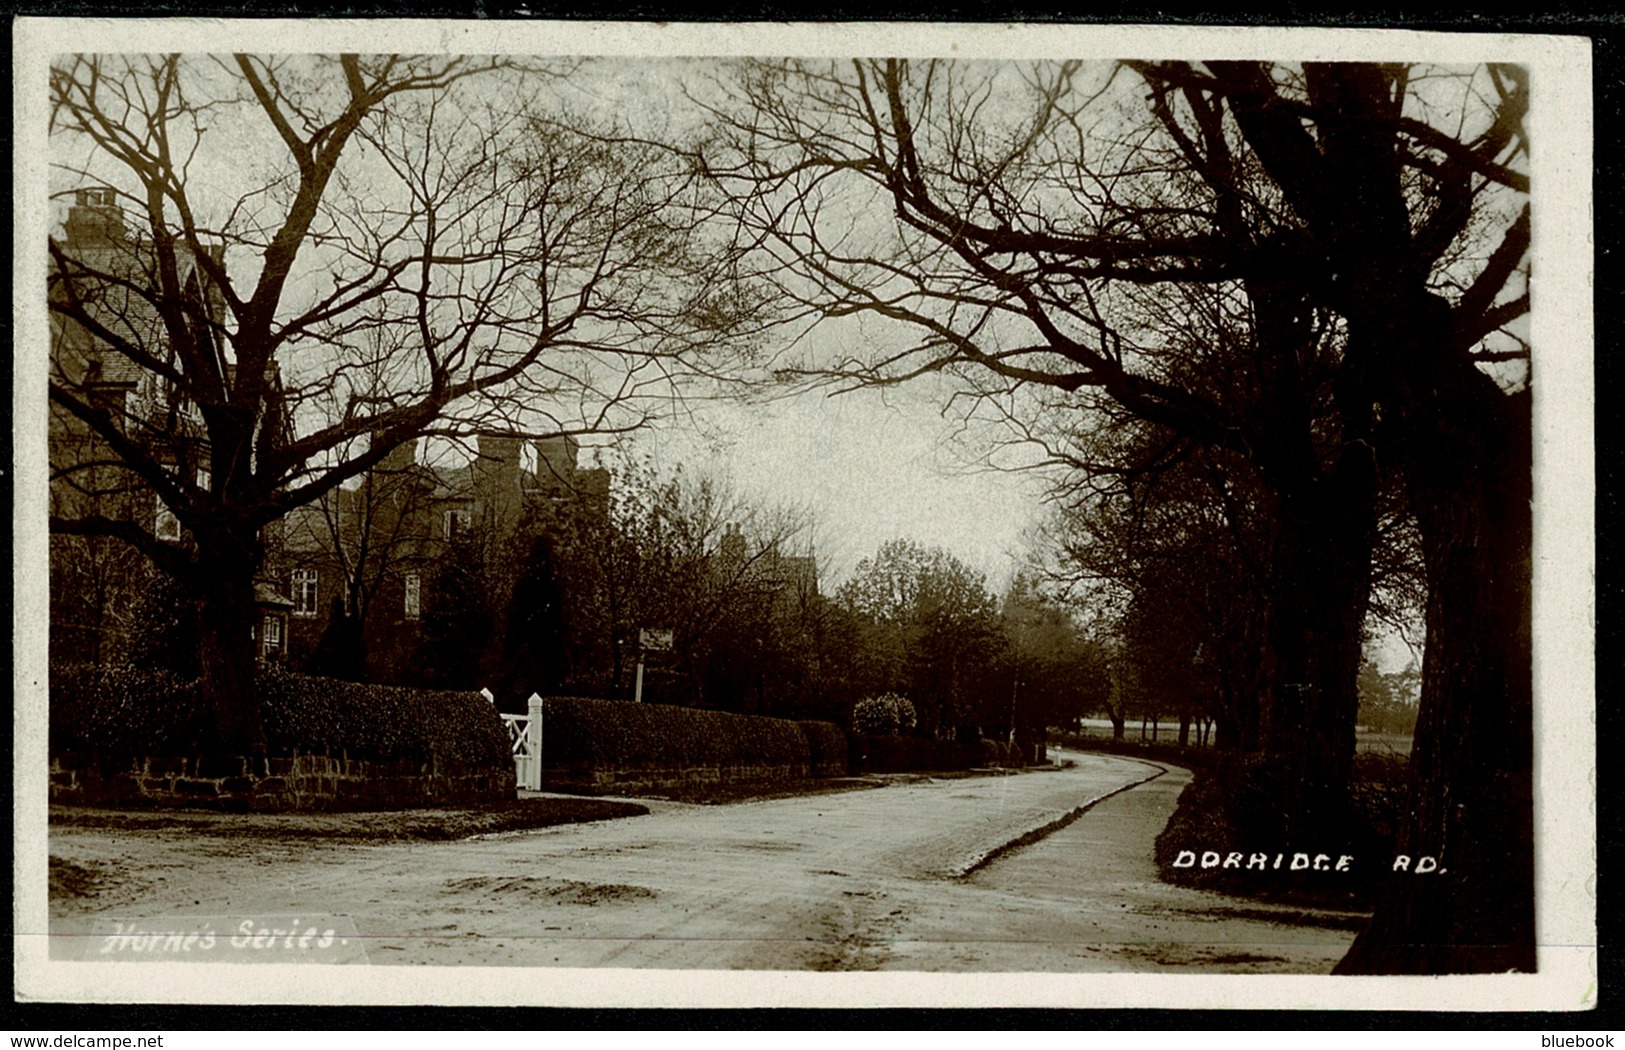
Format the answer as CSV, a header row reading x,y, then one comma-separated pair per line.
x,y
594,514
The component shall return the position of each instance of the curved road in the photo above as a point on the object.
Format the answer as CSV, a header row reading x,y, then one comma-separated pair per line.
x,y
873,879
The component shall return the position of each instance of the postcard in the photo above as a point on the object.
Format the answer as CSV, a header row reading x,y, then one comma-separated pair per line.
x,y
746,515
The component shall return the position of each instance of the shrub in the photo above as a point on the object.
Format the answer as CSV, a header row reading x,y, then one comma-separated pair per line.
x,y
121,711
826,746
624,735
885,715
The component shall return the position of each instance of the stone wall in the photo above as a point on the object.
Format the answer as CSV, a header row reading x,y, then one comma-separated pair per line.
x,y
300,782
605,780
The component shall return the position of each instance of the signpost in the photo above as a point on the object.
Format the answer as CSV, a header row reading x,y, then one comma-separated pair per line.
x,y
650,640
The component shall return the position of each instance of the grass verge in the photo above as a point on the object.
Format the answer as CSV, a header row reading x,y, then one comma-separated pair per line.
x,y
1225,808
417,825
727,794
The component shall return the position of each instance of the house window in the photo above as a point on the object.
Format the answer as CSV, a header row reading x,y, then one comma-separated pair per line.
x,y
203,479
304,592
273,634
456,522
414,595
165,525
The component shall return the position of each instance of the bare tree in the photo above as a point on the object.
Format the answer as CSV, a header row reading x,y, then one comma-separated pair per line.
x,y
264,237
689,554
1045,260
1173,551
1022,225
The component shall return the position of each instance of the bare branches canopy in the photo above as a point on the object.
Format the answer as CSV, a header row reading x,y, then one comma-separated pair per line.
x,y
274,271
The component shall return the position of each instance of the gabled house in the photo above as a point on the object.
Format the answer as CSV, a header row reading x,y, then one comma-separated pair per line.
x,y
367,553
106,269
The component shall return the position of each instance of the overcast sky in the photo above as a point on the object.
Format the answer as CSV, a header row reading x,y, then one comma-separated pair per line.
x,y
869,469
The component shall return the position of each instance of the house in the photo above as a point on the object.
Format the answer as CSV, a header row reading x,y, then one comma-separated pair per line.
x,y
373,548
105,265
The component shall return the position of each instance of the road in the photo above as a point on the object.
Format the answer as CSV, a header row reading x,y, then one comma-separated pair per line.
x,y
864,880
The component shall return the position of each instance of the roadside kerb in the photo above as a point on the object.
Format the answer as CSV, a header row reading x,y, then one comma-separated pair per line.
x,y
1027,838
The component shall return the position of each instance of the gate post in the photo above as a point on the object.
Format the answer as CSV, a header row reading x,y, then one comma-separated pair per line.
x,y
535,772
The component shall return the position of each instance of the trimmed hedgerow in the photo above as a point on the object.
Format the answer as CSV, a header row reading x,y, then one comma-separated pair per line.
x,y
622,735
307,714
121,711
909,754
827,746
998,753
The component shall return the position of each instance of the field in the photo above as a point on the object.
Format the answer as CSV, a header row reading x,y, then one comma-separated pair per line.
x,y
1167,732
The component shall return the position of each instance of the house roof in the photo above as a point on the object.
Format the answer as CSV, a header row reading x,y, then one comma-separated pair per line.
x,y
265,593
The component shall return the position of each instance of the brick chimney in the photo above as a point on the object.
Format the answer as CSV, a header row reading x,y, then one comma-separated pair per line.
x,y
95,218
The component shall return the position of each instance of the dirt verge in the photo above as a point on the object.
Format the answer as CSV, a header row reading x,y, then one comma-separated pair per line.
x,y
433,825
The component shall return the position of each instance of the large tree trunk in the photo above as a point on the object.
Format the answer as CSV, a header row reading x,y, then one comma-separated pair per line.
x,y
1463,445
1320,589
1324,518
1467,467
227,564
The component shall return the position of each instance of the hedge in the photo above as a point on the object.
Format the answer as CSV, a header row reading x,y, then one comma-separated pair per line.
x,y
999,753
622,735
826,743
307,714
909,754
119,711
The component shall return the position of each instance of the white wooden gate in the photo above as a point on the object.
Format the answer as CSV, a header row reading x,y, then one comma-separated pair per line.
x,y
525,736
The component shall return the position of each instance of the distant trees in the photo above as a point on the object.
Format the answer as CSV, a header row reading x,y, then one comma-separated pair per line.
x,y
1388,699
557,603
732,581
918,623
1172,550
1057,672
929,629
